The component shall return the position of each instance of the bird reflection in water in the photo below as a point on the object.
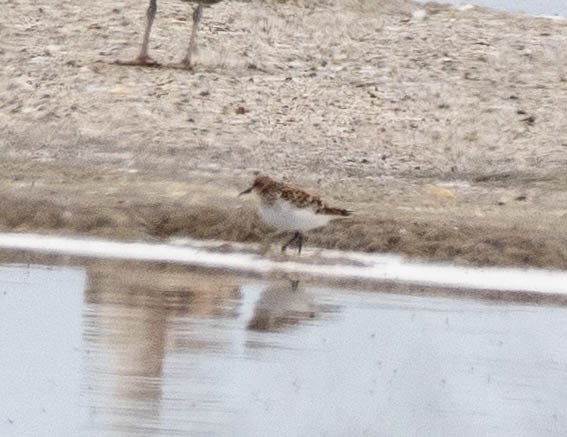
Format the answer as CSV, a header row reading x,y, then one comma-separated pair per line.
x,y
281,306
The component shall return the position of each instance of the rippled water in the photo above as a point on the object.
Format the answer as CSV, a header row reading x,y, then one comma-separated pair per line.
x,y
130,349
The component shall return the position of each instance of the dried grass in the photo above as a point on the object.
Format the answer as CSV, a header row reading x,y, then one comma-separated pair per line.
x,y
467,244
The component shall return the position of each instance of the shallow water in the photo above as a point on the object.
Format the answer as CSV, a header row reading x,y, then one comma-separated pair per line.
x,y
108,350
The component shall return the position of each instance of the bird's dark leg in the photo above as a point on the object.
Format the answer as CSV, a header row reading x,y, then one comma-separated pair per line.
x,y
298,236
299,242
295,237
197,14
150,15
143,58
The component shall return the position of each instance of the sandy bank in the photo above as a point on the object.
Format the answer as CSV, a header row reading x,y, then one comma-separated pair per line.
x,y
447,135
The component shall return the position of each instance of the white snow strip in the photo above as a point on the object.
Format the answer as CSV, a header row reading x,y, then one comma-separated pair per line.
x,y
367,267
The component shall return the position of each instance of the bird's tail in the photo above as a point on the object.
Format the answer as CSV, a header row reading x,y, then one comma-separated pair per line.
x,y
336,211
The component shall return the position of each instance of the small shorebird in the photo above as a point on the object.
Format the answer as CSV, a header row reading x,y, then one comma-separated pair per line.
x,y
288,208
144,59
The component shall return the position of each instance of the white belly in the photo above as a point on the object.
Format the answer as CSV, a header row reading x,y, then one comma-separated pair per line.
x,y
285,217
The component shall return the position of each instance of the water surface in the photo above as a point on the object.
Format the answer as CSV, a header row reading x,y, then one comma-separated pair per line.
x,y
41,347
114,350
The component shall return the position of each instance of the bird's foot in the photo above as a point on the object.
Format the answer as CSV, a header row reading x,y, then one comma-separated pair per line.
x,y
183,65
140,61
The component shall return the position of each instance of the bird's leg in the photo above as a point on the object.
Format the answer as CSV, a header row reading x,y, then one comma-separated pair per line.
x,y
197,14
296,237
150,15
143,58
284,247
299,242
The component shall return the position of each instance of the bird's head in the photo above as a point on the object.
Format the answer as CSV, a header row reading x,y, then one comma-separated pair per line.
x,y
259,184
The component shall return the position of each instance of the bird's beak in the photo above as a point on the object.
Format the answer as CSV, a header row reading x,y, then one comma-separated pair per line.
x,y
247,191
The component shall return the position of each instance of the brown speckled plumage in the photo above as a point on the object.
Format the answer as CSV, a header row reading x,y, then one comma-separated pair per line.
x,y
270,190
289,208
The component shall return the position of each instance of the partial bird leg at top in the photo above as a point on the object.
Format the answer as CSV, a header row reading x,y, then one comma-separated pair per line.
x,y
150,15
298,236
186,62
143,58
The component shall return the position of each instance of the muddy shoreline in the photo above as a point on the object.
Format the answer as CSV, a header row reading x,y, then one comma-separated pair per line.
x,y
445,135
